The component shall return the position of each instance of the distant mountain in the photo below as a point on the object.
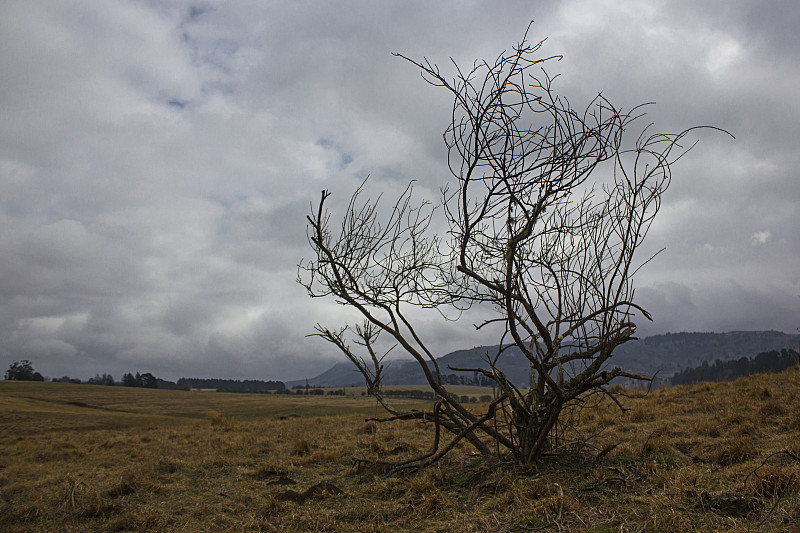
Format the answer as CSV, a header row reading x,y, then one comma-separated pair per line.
x,y
339,375
666,354
673,352
512,363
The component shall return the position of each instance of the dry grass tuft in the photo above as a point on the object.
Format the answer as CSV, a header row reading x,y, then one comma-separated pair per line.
x,y
793,421
777,481
218,421
771,409
301,446
733,450
616,389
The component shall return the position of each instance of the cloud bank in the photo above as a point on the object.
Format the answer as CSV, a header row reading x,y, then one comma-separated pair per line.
x,y
157,161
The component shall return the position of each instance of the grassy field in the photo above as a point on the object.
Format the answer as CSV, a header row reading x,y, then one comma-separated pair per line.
x,y
709,457
461,390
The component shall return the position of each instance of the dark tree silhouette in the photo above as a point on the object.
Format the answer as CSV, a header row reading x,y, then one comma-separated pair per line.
x,y
23,371
146,380
105,379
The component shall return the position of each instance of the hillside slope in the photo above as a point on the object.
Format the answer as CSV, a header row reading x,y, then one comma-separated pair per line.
x,y
665,354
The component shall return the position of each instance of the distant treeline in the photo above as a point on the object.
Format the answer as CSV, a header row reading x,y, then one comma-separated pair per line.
x,y
231,385
429,395
312,391
763,363
460,379
411,393
149,381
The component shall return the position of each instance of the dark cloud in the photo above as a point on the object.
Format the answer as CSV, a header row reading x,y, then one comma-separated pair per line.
x,y
157,162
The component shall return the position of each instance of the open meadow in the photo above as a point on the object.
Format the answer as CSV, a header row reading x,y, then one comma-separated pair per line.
x,y
707,457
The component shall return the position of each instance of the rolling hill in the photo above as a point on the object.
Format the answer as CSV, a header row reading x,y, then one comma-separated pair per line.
x,y
665,354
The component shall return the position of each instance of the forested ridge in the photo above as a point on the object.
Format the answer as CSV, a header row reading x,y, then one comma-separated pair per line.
x,y
770,362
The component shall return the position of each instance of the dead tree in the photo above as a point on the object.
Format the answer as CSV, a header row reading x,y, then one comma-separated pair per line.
x,y
547,208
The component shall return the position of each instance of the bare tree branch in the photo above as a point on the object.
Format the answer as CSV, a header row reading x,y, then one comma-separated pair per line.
x,y
548,207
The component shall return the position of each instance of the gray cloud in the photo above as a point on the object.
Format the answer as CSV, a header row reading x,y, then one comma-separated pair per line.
x,y
157,161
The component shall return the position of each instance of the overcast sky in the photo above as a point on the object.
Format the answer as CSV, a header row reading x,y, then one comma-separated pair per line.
x,y
157,161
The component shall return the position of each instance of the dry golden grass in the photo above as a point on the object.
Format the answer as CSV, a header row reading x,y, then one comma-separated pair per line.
x,y
710,457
